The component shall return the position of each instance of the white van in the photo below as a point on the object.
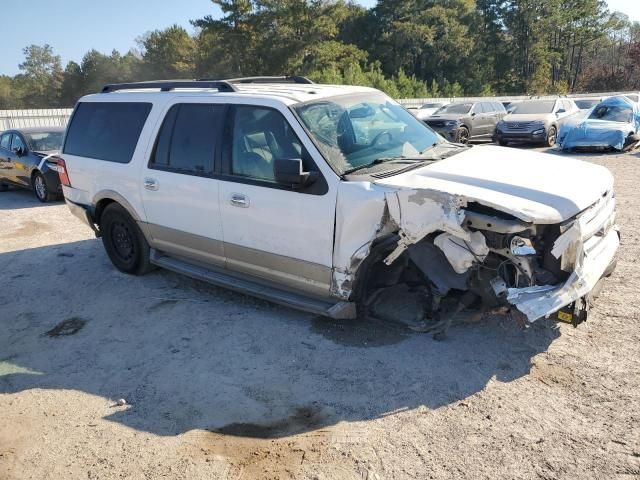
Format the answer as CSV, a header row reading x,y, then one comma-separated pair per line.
x,y
321,197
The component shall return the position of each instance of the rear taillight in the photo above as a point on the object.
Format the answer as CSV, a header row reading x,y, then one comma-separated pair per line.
x,y
57,165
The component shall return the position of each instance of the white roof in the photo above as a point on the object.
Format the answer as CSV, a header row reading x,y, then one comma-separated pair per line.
x,y
287,93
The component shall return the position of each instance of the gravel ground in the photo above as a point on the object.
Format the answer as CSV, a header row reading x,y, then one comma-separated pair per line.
x,y
219,385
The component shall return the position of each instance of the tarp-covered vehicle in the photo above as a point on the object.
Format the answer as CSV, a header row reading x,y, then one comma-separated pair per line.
x,y
613,124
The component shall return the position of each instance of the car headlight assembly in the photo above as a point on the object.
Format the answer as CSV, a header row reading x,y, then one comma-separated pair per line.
x,y
538,131
451,123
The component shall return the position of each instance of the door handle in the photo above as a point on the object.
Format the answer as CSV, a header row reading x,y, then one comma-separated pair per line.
x,y
151,184
239,200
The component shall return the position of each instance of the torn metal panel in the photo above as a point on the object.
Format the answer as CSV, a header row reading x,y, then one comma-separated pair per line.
x,y
462,254
419,213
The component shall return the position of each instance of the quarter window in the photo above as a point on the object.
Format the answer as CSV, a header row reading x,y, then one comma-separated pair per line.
x,y
106,130
187,140
261,135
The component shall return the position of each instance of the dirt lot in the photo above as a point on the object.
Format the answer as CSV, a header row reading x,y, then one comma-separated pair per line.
x,y
219,385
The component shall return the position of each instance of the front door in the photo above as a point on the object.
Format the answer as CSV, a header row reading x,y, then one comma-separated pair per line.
x,y
179,189
6,162
272,231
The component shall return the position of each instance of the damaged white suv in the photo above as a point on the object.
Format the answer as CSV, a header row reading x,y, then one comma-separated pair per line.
x,y
321,197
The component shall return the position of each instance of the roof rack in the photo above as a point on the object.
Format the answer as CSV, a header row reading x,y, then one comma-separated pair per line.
x,y
168,85
283,79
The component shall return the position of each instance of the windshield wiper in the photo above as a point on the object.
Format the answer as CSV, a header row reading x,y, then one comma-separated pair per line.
x,y
378,161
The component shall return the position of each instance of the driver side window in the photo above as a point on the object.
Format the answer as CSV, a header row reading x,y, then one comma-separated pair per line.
x,y
260,136
17,143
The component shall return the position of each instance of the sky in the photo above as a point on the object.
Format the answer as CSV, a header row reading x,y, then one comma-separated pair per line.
x,y
73,27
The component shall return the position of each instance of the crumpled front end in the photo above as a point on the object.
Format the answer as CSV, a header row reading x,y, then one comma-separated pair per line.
x,y
480,255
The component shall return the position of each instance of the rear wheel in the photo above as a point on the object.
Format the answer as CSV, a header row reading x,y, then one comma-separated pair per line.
x,y
125,244
463,135
40,188
551,136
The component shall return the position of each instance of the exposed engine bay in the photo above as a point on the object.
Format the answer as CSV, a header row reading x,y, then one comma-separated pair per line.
x,y
486,258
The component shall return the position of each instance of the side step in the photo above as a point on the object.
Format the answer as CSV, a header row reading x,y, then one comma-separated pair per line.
x,y
221,278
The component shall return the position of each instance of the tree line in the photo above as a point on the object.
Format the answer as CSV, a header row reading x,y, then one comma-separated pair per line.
x,y
408,48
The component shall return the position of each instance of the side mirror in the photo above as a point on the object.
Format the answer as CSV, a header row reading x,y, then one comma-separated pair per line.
x,y
288,171
18,151
473,114
561,110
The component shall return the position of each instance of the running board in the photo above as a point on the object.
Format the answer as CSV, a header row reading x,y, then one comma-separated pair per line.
x,y
220,278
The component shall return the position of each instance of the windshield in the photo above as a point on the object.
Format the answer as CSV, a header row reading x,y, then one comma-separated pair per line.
x,y
533,107
586,104
455,108
612,113
45,141
355,130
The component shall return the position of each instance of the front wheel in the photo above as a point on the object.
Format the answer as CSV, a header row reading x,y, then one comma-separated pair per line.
x,y
41,190
463,135
125,244
551,136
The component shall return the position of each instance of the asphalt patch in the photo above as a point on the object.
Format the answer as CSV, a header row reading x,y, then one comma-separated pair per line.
x,y
67,327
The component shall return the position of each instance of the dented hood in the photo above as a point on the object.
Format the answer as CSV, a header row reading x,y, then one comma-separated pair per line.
x,y
535,187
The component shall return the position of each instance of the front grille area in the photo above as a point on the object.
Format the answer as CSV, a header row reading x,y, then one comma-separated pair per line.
x,y
517,126
435,123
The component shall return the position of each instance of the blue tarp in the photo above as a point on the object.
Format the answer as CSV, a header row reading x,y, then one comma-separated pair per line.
x,y
605,132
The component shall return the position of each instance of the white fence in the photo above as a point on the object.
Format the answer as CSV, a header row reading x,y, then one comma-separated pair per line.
x,y
52,117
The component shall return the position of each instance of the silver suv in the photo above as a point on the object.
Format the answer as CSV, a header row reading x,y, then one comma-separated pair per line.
x,y
534,121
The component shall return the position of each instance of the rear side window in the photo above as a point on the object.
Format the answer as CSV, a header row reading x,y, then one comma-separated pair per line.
x,y
187,139
106,131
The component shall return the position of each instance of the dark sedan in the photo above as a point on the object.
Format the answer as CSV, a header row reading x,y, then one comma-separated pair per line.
x,y
25,160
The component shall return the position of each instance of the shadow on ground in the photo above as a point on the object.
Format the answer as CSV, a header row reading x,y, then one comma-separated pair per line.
x,y
16,198
189,356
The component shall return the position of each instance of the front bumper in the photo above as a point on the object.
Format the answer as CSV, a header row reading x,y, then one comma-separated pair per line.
x,y
587,247
449,133
520,137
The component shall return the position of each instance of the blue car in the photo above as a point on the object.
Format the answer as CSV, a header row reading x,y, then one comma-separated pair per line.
x,y
613,124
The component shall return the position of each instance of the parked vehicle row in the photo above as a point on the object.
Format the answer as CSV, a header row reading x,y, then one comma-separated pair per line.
x,y
325,197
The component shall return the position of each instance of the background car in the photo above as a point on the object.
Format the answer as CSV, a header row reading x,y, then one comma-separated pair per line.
x,y
428,109
23,160
535,121
587,103
612,124
463,122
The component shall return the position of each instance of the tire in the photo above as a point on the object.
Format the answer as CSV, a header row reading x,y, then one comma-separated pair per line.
x,y
463,135
552,136
41,189
503,143
124,242
4,187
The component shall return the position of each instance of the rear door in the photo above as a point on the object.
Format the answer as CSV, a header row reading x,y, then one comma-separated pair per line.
x,y
481,120
272,231
179,189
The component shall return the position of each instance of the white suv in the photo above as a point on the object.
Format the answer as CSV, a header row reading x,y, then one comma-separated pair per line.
x,y
321,197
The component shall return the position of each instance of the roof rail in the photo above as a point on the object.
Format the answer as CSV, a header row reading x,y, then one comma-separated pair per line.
x,y
283,79
168,85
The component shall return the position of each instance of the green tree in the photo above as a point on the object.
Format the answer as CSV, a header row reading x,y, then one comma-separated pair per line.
x,y
41,77
169,54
